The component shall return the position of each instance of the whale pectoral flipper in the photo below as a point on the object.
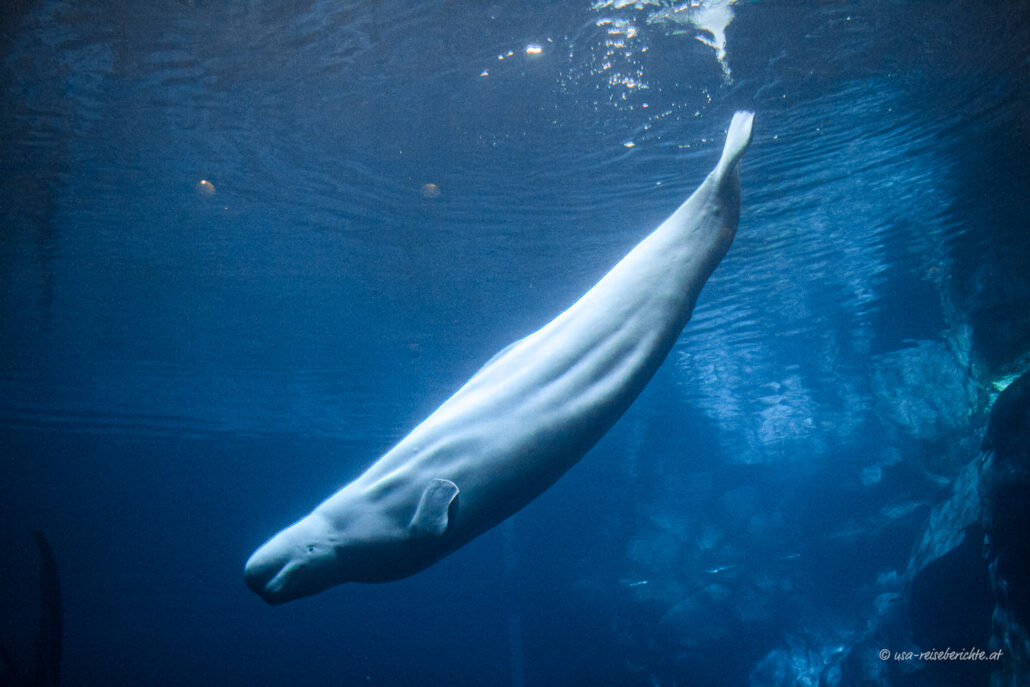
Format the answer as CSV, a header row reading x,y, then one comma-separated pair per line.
x,y
433,512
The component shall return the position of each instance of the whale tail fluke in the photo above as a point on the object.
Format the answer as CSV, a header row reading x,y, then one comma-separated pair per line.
x,y
737,140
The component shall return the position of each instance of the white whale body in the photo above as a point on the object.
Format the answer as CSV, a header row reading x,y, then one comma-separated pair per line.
x,y
522,420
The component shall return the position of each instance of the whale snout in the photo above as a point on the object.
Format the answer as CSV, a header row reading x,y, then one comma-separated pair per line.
x,y
266,575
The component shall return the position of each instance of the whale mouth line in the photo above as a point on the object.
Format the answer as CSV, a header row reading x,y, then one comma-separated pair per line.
x,y
274,587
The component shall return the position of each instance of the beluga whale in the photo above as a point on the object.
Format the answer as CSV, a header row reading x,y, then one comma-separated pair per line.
x,y
526,417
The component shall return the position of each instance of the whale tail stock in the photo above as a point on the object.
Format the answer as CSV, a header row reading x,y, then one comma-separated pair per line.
x,y
737,140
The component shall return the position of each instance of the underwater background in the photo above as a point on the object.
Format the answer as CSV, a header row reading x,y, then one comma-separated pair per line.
x,y
246,246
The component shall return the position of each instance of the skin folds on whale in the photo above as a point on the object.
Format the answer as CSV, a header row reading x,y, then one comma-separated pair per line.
x,y
522,420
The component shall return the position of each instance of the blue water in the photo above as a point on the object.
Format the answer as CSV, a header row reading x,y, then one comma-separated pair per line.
x,y
395,191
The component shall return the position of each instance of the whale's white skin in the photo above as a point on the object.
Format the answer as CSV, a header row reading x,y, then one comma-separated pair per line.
x,y
522,420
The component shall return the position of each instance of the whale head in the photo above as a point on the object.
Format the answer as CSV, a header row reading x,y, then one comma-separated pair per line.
x,y
317,553
298,561
353,538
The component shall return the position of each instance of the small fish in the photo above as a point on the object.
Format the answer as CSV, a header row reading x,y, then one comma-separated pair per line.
x,y
631,583
722,568
900,510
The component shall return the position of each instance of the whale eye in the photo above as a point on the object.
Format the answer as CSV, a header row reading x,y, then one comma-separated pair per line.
x,y
311,548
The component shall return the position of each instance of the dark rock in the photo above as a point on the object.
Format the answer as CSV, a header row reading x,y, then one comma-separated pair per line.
x,y
969,575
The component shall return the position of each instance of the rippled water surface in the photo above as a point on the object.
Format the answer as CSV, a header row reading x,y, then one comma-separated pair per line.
x,y
244,247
